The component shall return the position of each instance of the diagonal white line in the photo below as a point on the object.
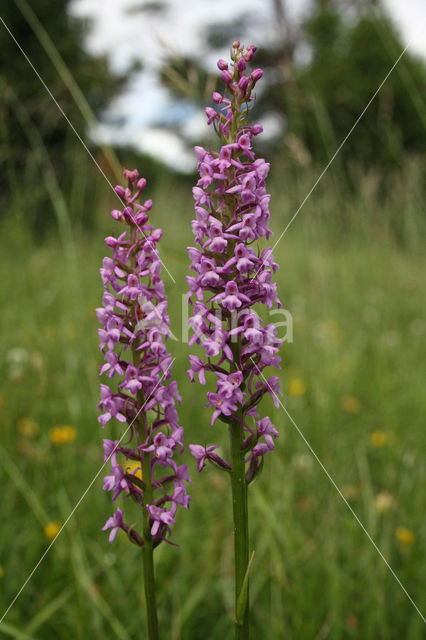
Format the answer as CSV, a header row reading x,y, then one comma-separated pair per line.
x,y
339,148
80,501
299,431
80,138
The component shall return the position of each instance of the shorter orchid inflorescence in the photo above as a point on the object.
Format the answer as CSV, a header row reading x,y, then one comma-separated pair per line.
x,y
135,330
232,274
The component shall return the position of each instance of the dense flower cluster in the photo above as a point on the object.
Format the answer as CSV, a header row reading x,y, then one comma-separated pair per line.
x,y
135,329
231,274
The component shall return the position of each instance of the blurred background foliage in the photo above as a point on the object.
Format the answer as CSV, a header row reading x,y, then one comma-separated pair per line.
x,y
352,275
319,77
321,99
34,136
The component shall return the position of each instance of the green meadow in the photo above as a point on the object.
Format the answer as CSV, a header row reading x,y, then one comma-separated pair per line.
x,y
352,268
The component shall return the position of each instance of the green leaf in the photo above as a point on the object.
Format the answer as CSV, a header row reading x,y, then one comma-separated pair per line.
x,y
48,611
11,631
243,595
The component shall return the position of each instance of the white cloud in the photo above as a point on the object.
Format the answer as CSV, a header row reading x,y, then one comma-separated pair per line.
x,y
150,37
410,17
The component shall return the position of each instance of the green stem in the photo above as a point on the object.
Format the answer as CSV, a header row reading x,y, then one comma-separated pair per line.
x,y
240,512
238,473
147,549
148,554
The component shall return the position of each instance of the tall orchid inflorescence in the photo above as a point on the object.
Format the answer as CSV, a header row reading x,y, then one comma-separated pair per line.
x,y
232,275
232,278
135,330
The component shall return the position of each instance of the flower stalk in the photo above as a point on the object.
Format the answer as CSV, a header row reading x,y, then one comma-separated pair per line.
x,y
241,540
148,547
148,557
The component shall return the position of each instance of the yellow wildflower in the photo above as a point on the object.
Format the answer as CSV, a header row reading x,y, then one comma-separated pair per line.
x,y
51,530
378,438
350,404
350,492
1,571
296,387
384,501
352,621
62,435
405,536
132,465
27,427
331,331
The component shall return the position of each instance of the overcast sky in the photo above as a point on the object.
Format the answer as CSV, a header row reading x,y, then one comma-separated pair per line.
x,y
125,35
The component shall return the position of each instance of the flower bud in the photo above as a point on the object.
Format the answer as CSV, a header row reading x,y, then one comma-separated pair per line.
x,y
141,218
141,184
256,75
241,66
222,65
110,241
128,213
249,53
116,214
236,44
217,97
226,77
243,83
119,190
131,176
256,129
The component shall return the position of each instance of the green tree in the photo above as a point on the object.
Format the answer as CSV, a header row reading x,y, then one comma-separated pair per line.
x,y
324,95
35,139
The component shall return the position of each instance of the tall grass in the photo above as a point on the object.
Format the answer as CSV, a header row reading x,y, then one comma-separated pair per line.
x,y
351,275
